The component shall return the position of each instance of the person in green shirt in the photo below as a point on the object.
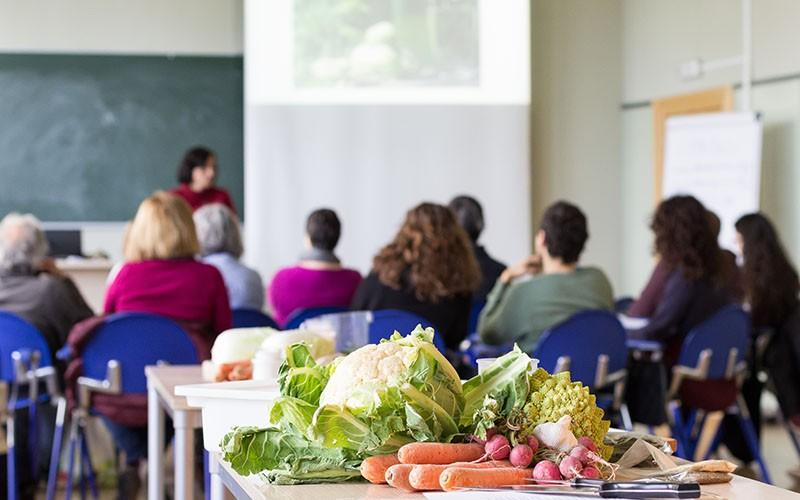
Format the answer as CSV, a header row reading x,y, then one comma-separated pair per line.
x,y
548,287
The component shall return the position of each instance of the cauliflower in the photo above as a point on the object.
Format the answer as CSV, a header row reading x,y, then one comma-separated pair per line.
x,y
359,375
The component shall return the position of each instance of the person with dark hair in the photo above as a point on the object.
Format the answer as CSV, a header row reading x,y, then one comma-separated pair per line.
x,y
548,287
695,286
645,305
427,269
469,215
197,175
771,287
318,280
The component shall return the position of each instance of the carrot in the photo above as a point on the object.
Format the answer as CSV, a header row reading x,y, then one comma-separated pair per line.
x,y
397,476
426,476
439,453
461,477
374,468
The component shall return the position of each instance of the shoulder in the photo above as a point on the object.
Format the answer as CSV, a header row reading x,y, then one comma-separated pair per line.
x,y
594,273
287,273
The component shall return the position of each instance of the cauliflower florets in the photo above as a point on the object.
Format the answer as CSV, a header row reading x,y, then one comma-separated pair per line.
x,y
366,369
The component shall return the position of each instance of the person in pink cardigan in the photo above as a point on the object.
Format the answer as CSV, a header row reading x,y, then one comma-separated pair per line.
x,y
162,276
318,280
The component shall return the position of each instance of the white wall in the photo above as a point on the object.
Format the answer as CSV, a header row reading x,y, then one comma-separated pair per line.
x,y
576,85
656,37
152,27
208,27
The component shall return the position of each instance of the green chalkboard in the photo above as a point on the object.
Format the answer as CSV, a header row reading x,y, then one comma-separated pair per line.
x,y
87,137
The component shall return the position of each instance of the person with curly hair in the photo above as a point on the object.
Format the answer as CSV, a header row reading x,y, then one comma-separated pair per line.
x,y
546,288
428,269
696,284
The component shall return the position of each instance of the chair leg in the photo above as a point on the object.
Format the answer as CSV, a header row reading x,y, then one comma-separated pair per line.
x,y
11,458
55,454
708,439
72,447
752,442
33,437
88,468
625,415
793,435
677,431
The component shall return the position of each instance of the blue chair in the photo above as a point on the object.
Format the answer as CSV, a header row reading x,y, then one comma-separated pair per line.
x,y
474,315
713,350
249,318
25,361
591,346
113,363
384,322
299,316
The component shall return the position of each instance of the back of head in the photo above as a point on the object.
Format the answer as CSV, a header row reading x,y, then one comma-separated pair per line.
x,y
684,237
430,254
162,229
323,229
770,280
22,242
218,230
714,223
469,215
196,156
565,231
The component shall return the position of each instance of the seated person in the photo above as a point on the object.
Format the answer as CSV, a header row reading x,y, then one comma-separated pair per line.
x,y
469,215
197,175
161,276
30,284
547,288
645,305
696,285
221,246
427,269
318,280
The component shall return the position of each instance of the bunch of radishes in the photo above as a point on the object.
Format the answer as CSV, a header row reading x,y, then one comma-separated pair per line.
x,y
498,447
581,461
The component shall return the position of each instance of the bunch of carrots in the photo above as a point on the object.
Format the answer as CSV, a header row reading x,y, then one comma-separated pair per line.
x,y
442,466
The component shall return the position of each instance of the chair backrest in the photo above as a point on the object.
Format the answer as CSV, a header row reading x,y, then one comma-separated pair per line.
x,y
728,329
386,321
136,340
16,334
297,317
583,338
474,315
249,318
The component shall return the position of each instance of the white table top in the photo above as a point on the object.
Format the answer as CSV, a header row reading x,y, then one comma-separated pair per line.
x,y
165,378
739,489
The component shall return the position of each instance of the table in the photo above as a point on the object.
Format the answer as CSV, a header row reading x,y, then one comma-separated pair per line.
x,y
161,398
246,488
90,276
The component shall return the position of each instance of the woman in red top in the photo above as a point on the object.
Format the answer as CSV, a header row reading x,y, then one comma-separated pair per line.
x,y
161,276
197,173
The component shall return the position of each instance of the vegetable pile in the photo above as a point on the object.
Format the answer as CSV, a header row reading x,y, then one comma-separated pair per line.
x,y
397,413
330,417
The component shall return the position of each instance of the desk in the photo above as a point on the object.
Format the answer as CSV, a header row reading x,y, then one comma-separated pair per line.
x,y
161,382
247,488
90,277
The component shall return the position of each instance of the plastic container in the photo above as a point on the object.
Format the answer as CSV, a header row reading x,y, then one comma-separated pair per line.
x,y
228,404
266,363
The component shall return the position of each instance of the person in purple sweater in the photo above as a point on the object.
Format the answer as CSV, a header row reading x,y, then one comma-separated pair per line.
x,y
318,280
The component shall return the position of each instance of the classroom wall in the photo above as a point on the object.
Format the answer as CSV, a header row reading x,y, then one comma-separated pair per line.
x,y
656,37
575,119
175,27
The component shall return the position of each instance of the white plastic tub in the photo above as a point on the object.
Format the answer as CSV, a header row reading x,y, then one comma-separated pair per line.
x,y
229,404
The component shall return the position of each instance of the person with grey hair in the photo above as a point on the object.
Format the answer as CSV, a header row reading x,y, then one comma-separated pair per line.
x,y
30,284
221,246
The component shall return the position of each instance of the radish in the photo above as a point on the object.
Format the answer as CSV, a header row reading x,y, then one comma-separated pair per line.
x,y
590,472
588,444
533,443
546,471
521,456
570,467
497,448
582,454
